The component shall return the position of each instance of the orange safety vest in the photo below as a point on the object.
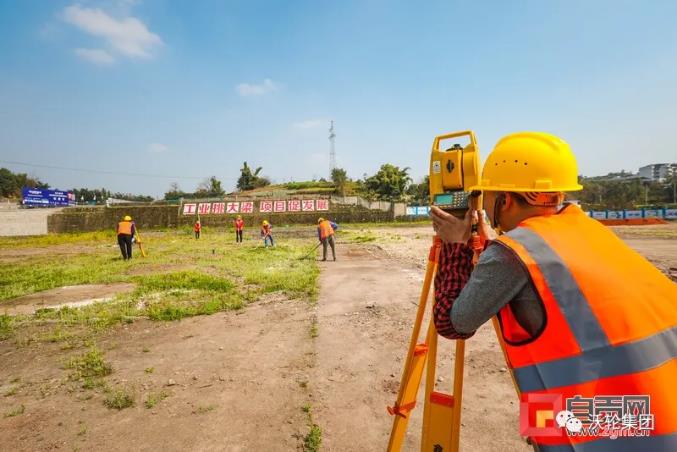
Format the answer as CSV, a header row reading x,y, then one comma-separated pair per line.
x,y
325,229
197,227
239,225
125,227
610,329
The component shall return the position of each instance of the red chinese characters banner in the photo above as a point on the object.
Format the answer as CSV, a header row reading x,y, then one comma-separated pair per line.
x,y
247,207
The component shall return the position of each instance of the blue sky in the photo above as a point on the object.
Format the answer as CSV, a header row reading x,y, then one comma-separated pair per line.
x,y
192,89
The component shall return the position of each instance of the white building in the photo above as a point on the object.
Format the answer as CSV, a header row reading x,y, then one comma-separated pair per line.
x,y
658,172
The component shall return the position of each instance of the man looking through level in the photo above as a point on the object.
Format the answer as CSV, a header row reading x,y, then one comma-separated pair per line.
x,y
125,232
325,233
580,313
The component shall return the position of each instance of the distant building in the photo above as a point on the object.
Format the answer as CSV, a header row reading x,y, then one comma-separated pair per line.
x,y
658,172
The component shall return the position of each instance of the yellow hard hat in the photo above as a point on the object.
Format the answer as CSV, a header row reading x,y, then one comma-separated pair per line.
x,y
320,220
530,162
127,218
265,222
239,217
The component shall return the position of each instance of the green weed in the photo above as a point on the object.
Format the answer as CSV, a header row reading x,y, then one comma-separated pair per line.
x,y
119,399
155,398
313,439
89,365
6,327
16,411
204,409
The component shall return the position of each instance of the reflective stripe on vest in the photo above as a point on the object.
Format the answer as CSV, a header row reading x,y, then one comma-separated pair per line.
x,y
125,227
610,326
325,229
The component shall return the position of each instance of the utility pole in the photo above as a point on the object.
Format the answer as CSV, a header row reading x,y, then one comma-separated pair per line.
x,y
332,149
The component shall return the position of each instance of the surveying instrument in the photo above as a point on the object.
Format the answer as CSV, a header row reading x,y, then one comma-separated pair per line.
x,y
451,172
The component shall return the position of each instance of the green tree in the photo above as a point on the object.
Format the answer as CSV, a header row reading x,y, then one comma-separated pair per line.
x,y
340,178
249,180
389,183
210,188
175,192
12,183
420,193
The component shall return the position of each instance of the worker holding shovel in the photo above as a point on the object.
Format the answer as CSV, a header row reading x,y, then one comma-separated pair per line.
x,y
325,233
581,314
267,233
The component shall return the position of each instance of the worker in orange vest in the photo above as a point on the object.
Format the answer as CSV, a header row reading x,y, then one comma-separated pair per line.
x,y
239,228
325,233
125,232
197,228
585,321
267,233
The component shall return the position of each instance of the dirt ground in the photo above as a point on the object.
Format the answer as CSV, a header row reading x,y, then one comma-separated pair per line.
x,y
238,380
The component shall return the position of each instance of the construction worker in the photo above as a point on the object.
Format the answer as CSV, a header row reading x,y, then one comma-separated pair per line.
x,y
197,228
325,233
581,314
239,228
267,233
126,231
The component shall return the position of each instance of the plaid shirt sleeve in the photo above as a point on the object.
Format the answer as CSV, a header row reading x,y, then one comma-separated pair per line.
x,y
453,272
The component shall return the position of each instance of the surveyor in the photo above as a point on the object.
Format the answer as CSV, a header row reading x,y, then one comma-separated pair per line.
x,y
580,313
125,232
267,233
325,233
239,228
197,228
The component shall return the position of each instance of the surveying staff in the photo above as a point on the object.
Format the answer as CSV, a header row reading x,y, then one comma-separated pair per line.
x,y
239,227
125,231
197,229
267,233
580,313
325,233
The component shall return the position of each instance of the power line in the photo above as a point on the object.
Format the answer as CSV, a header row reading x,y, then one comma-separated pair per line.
x,y
115,173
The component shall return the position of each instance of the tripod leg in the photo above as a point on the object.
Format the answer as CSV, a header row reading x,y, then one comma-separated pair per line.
x,y
414,364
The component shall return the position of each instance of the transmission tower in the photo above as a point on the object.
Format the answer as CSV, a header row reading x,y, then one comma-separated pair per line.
x,y
332,149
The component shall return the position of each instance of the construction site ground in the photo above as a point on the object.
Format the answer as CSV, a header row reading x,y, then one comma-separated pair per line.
x,y
280,373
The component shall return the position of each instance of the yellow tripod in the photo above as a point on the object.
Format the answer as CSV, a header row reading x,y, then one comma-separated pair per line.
x,y
441,412
139,242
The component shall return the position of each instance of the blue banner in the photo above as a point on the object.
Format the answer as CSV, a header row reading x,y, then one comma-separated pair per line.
x,y
47,198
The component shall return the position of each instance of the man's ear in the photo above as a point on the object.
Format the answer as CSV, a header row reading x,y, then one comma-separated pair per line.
x,y
506,201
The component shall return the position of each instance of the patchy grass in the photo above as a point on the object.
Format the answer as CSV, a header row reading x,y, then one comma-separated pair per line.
x,y
180,278
89,365
11,391
204,409
314,328
119,398
6,327
154,398
313,439
16,411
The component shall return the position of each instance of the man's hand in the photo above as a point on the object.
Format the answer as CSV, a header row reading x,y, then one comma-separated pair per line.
x,y
449,228
485,230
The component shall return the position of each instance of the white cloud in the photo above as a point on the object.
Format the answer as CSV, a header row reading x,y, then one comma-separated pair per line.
x,y
157,148
128,36
96,56
248,89
310,124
